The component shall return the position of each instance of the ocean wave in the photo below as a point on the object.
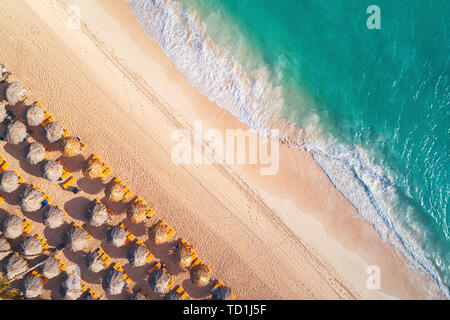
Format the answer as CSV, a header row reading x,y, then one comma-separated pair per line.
x,y
254,100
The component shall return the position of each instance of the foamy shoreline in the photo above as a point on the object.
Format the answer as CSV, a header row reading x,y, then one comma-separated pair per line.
x,y
140,62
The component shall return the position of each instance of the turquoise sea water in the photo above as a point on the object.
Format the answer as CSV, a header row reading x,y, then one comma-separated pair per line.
x,y
376,102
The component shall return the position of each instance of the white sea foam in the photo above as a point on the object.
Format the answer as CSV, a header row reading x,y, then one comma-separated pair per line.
x,y
251,98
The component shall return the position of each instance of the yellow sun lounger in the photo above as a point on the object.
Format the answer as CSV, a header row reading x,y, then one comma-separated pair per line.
x,y
66,175
197,262
182,293
43,243
106,170
94,295
189,246
150,212
170,231
127,192
104,257
62,266
4,164
26,226
125,277
76,225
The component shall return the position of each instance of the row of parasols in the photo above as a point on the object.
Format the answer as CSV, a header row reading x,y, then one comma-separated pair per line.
x,y
33,199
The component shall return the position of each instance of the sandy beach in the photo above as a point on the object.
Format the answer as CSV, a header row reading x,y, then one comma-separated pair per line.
x,y
286,236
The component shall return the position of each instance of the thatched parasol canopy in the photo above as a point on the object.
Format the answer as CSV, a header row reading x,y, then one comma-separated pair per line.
x,y
75,239
34,115
14,266
15,132
137,296
200,275
50,268
30,247
137,212
35,153
222,293
116,192
158,233
30,199
183,255
15,93
5,248
53,217
9,181
94,168
116,236
173,296
97,214
113,282
70,146
12,227
71,288
51,170
53,131
31,286
4,74
159,280
93,262
3,111
137,255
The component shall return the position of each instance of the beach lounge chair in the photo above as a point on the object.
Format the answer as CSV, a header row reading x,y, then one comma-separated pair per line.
x,y
62,266
26,226
43,243
93,294
66,176
104,257
125,277
3,164
150,212
38,275
170,231
184,295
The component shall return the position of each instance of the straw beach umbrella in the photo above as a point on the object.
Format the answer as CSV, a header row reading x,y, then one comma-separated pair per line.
x,y
53,131
4,74
34,115
137,212
3,111
5,248
15,132
94,168
116,192
183,255
30,199
30,247
97,214
173,296
113,282
32,286
70,147
158,233
50,268
93,262
75,239
117,236
15,93
9,181
12,227
137,255
51,170
200,275
14,266
222,293
159,281
137,296
71,288
35,152
53,217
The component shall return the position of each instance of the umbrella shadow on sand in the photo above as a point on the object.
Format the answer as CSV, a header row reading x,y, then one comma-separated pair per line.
x,y
91,186
77,208
18,152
